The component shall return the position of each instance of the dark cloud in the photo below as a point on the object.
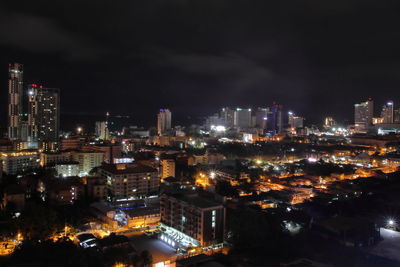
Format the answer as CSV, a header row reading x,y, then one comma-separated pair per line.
x,y
44,36
315,57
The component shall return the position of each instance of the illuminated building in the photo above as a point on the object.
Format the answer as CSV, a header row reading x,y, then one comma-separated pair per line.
x,y
15,85
329,122
49,158
67,169
127,181
242,118
110,151
396,116
261,117
16,162
363,114
387,113
213,120
189,214
295,121
43,114
167,168
101,130
377,121
87,160
275,119
163,121
228,117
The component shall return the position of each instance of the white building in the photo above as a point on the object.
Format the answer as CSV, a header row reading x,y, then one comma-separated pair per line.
x,y
15,162
67,169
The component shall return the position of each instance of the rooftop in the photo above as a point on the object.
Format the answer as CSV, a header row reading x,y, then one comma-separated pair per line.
x,y
196,200
127,168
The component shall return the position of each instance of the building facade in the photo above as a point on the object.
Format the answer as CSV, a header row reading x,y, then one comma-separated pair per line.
x,y
167,168
387,113
363,114
43,114
128,181
194,216
15,90
243,118
163,121
16,162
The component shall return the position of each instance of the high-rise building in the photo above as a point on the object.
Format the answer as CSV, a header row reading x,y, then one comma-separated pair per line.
x,y
363,114
228,117
261,117
101,130
43,114
387,113
242,118
329,122
15,85
396,115
163,121
275,119
295,121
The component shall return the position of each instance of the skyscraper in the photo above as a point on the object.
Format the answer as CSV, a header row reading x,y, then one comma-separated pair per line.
x,y
228,117
163,121
387,113
101,130
295,121
261,117
275,119
243,118
15,85
44,113
363,114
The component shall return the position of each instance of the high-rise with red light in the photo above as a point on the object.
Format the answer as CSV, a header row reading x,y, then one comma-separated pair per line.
x,y
15,85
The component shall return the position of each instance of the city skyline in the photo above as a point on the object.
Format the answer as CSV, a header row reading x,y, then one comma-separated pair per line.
x,y
209,63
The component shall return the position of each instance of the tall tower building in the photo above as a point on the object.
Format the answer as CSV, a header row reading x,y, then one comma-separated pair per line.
x,y
101,130
387,113
43,114
228,117
243,118
163,121
295,121
261,117
275,119
15,85
363,114
396,115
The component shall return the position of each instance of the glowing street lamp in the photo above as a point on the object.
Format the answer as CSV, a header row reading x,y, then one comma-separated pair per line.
x,y
212,175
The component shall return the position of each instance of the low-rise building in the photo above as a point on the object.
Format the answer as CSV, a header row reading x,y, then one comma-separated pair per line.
x,y
49,158
199,218
16,162
97,187
67,169
167,168
127,181
87,161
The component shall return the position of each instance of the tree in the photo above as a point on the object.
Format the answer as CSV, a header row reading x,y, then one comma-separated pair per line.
x,y
147,258
38,222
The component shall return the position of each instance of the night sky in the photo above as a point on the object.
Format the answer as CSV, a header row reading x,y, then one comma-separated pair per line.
x,y
132,57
